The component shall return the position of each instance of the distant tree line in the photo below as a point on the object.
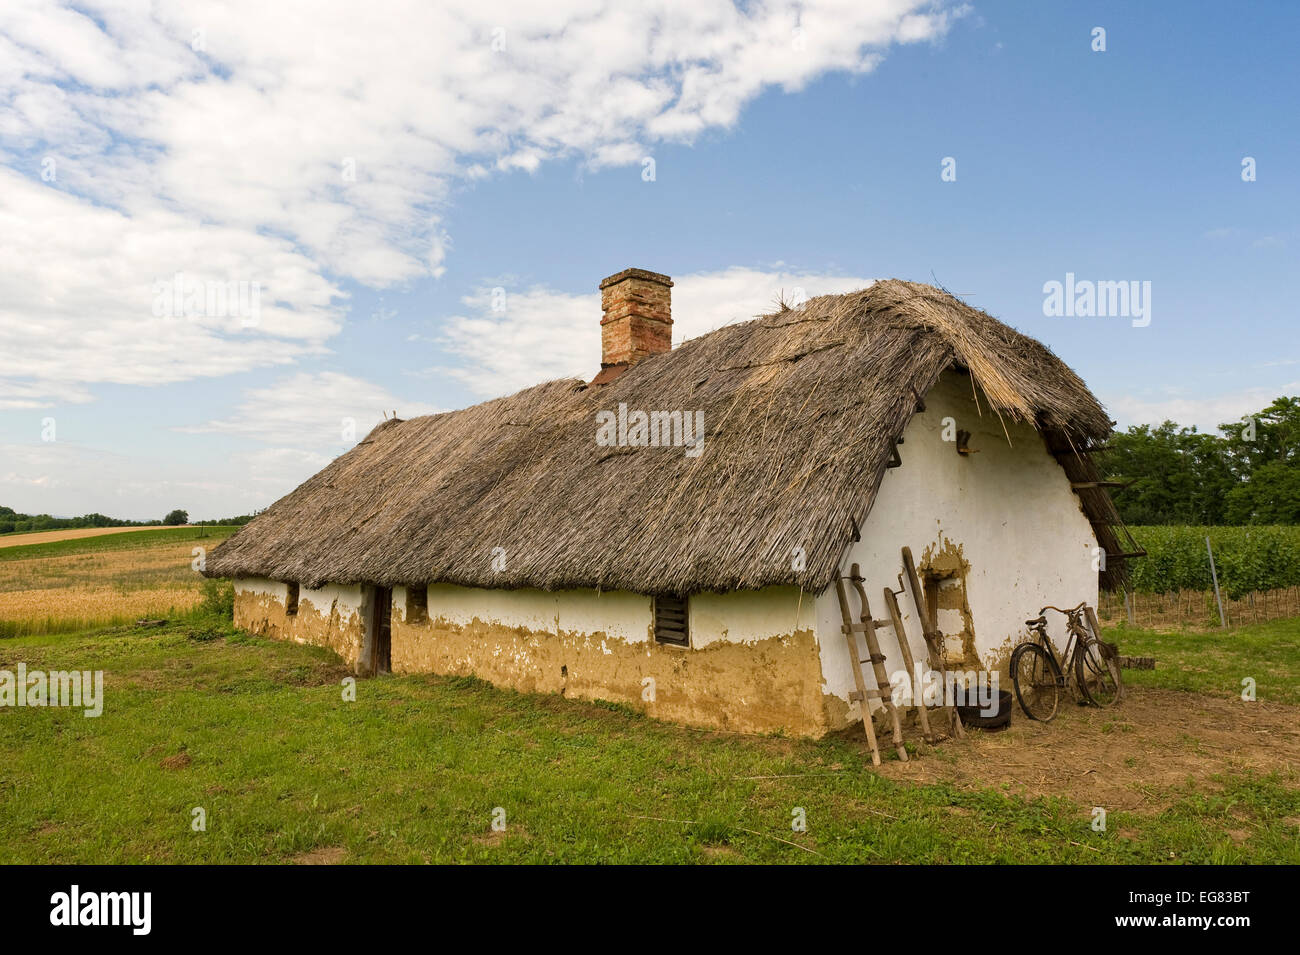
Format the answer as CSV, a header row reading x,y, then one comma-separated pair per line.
x,y
1248,473
12,522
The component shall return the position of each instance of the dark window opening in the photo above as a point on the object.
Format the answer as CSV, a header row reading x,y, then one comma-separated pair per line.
x,y
671,620
291,600
417,604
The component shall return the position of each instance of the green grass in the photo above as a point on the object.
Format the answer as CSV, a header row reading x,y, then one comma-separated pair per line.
x,y
1215,662
413,769
128,540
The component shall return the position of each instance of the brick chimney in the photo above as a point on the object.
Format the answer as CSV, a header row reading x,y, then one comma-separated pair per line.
x,y
638,317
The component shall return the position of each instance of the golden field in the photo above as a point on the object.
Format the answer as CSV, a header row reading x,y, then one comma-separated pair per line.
x,y
45,537
103,582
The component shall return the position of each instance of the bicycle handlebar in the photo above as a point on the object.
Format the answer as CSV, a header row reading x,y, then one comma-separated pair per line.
x,y
1072,610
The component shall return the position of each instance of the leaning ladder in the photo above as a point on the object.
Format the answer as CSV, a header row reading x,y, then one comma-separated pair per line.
x,y
863,697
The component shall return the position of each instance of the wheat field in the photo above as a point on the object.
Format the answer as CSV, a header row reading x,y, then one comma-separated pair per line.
x,y
45,537
83,583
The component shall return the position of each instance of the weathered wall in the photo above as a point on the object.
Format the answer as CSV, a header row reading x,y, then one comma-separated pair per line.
x,y
753,665
1003,521
328,617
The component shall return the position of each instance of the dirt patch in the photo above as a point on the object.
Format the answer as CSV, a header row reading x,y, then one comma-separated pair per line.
x,y
331,855
1129,758
494,837
178,761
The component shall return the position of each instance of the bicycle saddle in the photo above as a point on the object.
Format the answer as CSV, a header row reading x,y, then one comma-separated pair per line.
x,y
1037,621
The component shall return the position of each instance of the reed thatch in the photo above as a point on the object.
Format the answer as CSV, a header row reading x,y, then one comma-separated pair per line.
x,y
802,409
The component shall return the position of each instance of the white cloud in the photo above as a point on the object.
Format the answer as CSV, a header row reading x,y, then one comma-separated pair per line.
x,y
282,468
77,297
213,140
1206,413
1237,233
545,334
311,412
255,127
67,479
202,137
301,418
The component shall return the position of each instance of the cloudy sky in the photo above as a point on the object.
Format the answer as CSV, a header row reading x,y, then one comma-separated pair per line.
x,y
352,187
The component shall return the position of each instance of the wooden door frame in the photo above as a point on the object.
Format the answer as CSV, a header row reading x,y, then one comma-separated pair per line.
x,y
376,657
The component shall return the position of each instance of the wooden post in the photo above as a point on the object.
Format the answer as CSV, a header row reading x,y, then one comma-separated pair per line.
x,y
366,660
933,639
1128,605
896,620
1214,575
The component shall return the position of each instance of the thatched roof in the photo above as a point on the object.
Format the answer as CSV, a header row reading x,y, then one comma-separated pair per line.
x,y
801,408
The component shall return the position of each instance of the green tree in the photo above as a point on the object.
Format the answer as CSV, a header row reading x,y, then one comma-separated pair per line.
x,y
1271,436
1178,475
176,517
1270,496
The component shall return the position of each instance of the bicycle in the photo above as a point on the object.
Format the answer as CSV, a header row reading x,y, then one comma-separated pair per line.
x,y
1038,676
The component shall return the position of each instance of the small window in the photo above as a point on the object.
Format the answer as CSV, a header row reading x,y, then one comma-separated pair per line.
x,y
671,619
417,604
291,600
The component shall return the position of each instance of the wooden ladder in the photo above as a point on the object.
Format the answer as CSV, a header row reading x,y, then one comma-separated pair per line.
x,y
883,692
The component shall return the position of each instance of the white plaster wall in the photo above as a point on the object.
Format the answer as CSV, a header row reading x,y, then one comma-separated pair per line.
x,y
618,614
345,598
260,585
748,616
1009,506
742,617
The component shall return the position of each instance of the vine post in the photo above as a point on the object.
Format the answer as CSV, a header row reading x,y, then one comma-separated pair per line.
x,y
1214,575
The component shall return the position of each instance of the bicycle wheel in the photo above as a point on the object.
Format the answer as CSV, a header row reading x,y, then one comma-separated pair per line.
x,y
1037,681
1097,673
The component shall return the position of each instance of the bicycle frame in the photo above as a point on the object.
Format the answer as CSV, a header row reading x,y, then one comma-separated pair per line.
x,y
1073,644
1076,667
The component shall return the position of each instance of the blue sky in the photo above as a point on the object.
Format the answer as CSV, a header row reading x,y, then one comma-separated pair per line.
x,y
776,166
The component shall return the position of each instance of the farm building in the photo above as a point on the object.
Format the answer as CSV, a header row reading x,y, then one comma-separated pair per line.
x,y
669,534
